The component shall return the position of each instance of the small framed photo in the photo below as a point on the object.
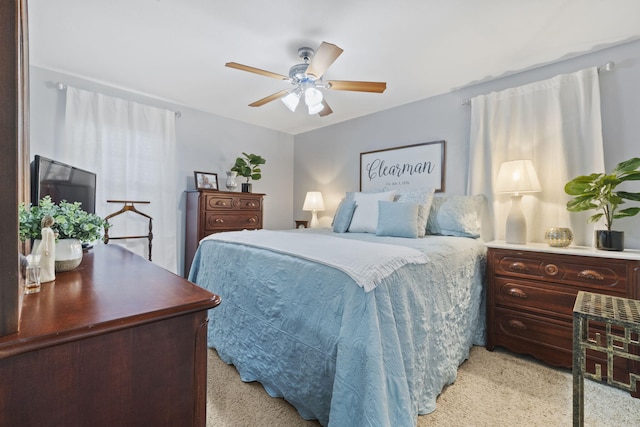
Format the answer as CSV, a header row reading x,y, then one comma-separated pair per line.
x,y
206,180
302,224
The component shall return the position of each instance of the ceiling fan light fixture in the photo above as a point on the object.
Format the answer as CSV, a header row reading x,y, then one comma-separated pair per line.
x,y
291,101
315,109
306,79
312,96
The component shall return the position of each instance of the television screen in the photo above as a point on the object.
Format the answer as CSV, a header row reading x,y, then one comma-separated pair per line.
x,y
62,182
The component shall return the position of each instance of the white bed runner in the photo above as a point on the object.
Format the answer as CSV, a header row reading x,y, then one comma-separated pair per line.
x,y
366,263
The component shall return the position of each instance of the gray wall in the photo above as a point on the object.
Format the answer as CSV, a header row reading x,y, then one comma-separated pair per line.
x,y
205,142
328,159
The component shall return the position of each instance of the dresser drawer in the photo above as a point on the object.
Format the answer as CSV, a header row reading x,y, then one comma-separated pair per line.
x,y
597,274
221,221
549,340
213,202
535,297
518,330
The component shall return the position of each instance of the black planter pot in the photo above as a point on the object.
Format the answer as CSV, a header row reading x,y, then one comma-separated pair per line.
x,y
610,240
246,187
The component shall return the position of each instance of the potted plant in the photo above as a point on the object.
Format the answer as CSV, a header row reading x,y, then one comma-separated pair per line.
x,y
248,167
72,224
597,191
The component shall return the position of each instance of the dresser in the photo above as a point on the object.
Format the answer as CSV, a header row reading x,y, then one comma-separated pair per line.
x,y
211,212
532,290
118,341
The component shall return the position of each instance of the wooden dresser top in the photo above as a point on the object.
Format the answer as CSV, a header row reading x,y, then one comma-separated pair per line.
x,y
112,289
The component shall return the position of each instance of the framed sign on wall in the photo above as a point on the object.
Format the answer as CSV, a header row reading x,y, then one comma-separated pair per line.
x,y
417,166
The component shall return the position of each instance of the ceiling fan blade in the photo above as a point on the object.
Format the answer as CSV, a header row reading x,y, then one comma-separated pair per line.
x,y
326,110
255,70
377,87
323,58
269,98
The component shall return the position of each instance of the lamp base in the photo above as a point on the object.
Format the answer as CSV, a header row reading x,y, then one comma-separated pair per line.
x,y
314,220
516,228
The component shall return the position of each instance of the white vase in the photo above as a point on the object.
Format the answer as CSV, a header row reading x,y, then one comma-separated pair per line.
x,y
68,253
231,180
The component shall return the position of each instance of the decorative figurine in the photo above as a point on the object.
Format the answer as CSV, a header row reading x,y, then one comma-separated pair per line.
x,y
47,251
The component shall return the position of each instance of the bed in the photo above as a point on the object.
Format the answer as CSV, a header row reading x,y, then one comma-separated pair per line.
x,y
337,350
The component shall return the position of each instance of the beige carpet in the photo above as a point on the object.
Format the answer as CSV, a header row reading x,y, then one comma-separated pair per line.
x,y
492,389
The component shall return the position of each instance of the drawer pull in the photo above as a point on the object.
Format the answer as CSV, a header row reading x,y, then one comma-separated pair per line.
x,y
591,275
218,220
252,220
251,205
221,203
516,324
518,293
519,266
551,269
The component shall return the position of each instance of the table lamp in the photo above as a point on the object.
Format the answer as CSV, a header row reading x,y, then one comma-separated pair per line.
x,y
517,177
314,203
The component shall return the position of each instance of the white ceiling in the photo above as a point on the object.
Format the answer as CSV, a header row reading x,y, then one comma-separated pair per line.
x,y
175,50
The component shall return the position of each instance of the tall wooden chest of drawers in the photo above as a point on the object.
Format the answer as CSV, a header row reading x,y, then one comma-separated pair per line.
x,y
211,212
532,289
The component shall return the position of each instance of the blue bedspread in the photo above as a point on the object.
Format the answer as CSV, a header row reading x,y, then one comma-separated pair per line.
x,y
309,334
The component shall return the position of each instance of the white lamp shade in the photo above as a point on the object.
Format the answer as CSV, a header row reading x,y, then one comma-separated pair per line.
x,y
517,177
312,96
315,109
291,100
313,201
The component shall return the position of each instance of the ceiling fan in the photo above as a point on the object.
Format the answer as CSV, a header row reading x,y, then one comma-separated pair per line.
x,y
307,80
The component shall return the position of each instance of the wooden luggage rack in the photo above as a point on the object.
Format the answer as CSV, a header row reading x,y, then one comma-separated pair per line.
x,y
129,207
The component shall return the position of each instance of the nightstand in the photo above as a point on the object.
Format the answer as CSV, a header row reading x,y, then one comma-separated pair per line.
x,y
302,224
532,290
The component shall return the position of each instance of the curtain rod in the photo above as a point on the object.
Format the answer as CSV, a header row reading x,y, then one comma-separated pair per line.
x,y
62,86
605,67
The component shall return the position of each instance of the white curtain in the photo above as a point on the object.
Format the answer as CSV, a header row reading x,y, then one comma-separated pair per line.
x,y
556,123
131,148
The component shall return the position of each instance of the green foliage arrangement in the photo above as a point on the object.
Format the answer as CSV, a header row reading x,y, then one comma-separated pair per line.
x,y
71,221
596,191
249,166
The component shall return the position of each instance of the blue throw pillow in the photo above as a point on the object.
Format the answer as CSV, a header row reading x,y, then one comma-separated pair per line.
x,y
344,213
397,219
456,215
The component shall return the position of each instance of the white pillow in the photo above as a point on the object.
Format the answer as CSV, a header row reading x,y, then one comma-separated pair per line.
x,y
365,218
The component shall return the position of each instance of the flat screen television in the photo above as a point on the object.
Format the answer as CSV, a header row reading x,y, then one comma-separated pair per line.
x,y
62,182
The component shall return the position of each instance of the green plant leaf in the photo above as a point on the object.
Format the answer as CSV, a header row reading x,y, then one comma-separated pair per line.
x,y
629,196
627,166
626,212
580,184
631,176
580,204
594,218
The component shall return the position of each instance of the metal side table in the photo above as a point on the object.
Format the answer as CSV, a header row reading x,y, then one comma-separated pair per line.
x,y
609,311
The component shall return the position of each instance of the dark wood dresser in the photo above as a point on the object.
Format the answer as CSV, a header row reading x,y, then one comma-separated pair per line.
x,y
116,342
532,290
211,212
